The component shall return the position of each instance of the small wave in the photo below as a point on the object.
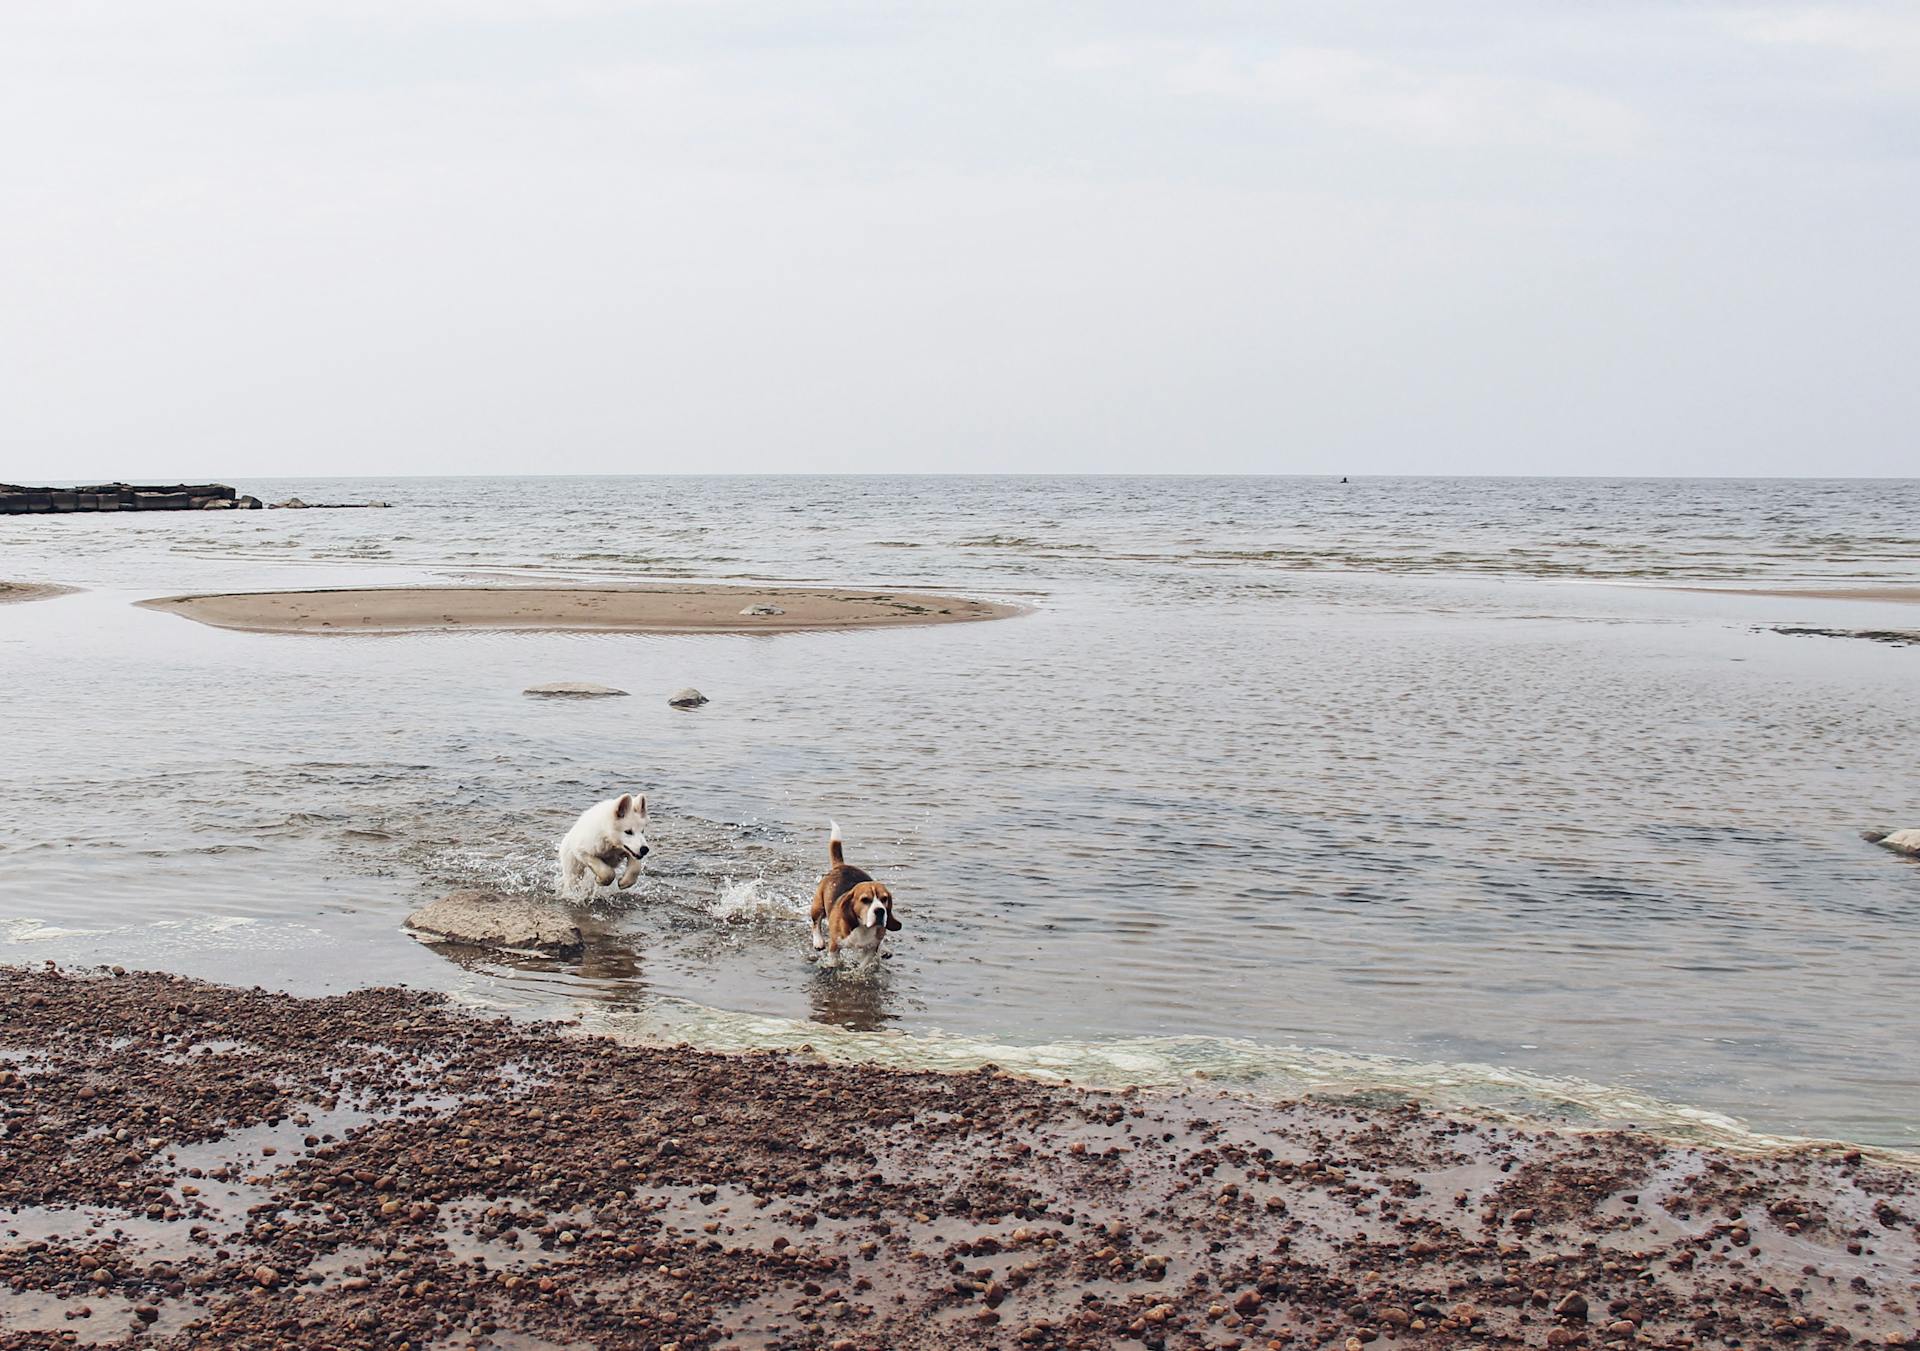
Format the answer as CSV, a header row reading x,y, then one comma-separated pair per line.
x,y
39,931
1230,1064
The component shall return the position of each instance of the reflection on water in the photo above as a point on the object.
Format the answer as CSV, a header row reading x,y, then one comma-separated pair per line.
x,y
856,997
1269,767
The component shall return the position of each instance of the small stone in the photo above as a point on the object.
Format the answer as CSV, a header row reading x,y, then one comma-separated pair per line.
x,y
146,1313
687,698
1247,1301
1900,841
266,1276
1573,1306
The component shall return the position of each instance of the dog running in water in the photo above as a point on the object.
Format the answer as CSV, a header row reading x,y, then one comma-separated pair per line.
x,y
608,834
850,909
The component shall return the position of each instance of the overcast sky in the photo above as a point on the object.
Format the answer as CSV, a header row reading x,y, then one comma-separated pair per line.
x,y
425,236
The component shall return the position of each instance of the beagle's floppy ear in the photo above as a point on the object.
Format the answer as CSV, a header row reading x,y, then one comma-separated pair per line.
x,y
845,913
625,804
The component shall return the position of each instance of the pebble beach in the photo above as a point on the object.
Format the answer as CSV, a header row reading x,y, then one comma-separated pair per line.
x,y
187,1164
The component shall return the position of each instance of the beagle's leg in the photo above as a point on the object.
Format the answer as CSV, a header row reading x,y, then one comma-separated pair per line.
x,y
819,939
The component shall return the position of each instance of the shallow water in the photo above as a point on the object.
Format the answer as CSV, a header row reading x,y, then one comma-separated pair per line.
x,y
1409,780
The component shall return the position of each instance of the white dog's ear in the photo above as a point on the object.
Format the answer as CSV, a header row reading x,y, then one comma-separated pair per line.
x,y
641,810
621,807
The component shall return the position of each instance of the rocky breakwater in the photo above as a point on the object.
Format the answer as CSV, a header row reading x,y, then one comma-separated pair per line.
x,y
16,500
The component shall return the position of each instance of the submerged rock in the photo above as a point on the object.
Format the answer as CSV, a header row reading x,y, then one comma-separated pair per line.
x,y
687,698
497,920
1900,841
577,689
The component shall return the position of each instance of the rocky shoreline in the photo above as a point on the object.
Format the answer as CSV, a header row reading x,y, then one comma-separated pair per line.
x,y
187,1164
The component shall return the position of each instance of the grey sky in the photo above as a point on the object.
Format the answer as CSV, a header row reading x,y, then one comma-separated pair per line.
x,y
421,236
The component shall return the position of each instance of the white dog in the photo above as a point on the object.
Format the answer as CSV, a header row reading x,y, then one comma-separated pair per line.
x,y
607,833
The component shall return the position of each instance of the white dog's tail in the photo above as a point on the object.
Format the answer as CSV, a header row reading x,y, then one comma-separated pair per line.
x,y
833,845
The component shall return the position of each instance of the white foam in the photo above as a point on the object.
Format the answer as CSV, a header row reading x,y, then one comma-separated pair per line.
x,y
38,931
756,899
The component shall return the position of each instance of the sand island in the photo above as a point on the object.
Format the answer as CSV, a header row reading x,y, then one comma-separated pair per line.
x,y
1898,595
11,592
646,609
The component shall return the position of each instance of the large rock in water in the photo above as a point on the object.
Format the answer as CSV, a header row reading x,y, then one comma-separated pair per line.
x,y
687,698
576,689
495,919
1900,841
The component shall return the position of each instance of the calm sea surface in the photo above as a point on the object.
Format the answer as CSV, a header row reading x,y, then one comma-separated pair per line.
x,y
1417,782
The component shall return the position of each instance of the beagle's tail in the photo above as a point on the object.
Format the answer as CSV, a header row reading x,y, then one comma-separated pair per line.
x,y
833,845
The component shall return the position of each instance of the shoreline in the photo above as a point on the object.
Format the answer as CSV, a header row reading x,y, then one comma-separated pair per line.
x,y
200,1163
695,608
16,593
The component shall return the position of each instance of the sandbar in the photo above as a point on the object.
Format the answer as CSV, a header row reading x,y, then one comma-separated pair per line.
x,y
11,592
644,609
1898,595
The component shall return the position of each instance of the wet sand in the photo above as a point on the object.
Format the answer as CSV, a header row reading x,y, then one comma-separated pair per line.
x,y
186,1164
652,609
1899,595
22,591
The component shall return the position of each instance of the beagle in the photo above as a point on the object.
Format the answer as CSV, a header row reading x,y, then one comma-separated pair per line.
x,y
850,909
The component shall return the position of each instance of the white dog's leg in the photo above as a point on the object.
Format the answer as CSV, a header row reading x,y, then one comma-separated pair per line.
x,y
630,875
602,872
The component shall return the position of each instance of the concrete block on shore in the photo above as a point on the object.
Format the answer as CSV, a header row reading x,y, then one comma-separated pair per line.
x,y
496,919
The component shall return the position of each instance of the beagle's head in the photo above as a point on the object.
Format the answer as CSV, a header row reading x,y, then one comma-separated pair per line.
x,y
871,906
